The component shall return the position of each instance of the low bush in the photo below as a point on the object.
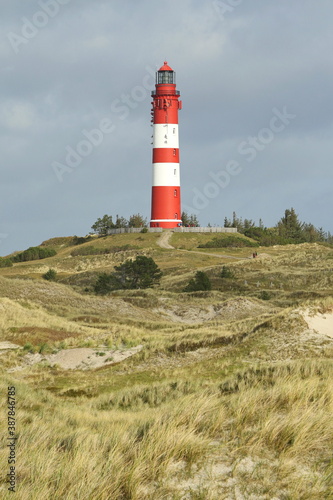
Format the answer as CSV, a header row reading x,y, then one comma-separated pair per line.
x,y
5,262
230,241
101,251
268,237
200,282
34,253
50,275
79,240
265,295
226,272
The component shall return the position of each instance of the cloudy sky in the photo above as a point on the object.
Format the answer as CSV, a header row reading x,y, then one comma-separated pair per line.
x,y
256,127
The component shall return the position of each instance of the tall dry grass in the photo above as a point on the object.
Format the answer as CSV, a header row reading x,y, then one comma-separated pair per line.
x,y
123,446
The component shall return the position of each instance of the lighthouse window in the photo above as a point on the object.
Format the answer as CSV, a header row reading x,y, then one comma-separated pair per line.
x,y
166,77
174,171
174,130
175,193
174,152
176,216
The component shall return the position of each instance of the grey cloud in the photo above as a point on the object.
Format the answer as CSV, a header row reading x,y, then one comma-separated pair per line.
x,y
231,74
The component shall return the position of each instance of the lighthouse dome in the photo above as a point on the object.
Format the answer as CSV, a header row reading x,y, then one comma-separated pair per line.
x,y
165,67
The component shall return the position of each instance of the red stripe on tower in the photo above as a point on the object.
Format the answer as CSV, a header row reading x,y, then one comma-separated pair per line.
x,y
165,204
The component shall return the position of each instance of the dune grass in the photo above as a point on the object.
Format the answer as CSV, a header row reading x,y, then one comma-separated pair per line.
x,y
125,446
236,404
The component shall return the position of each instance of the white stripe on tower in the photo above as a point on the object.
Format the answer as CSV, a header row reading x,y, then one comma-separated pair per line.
x,y
166,135
166,174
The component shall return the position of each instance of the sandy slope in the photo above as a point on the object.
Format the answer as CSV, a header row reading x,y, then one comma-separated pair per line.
x,y
320,323
80,358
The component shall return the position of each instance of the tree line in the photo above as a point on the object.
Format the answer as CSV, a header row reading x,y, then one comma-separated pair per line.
x,y
288,230
32,253
104,224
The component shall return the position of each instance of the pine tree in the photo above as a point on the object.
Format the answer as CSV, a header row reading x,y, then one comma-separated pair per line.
x,y
290,227
322,235
227,222
103,225
142,272
137,220
194,221
310,233
236,222
248,223
121,222
185,219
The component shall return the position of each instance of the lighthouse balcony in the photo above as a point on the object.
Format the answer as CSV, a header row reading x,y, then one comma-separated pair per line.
x,y
167,92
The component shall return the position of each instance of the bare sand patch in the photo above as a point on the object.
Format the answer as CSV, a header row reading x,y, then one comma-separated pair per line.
x,y
8,345
233,309
82,358
320,323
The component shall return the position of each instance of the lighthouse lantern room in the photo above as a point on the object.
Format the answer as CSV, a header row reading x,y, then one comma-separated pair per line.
x,y
165,205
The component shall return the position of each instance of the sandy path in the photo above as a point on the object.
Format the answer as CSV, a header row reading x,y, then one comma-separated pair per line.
x,y
163,242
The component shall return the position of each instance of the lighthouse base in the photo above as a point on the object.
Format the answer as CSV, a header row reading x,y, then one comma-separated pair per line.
x,y
166,223
165,207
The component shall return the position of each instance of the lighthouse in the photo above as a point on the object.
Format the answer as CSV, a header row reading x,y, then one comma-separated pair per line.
x,y
165,202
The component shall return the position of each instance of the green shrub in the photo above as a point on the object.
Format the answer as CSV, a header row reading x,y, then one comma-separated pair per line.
x,y
267,237
44,348
34,253
226,272
79,240
29,347
230,241
5,262
50,275
265,295
200,282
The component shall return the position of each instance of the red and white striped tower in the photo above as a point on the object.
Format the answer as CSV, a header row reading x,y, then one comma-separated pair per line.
x,y
165,204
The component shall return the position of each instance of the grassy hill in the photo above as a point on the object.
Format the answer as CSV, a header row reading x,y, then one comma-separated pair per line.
x,y
224,394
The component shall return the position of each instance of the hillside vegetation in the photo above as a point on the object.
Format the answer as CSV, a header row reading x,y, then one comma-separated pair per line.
x,y
218,394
